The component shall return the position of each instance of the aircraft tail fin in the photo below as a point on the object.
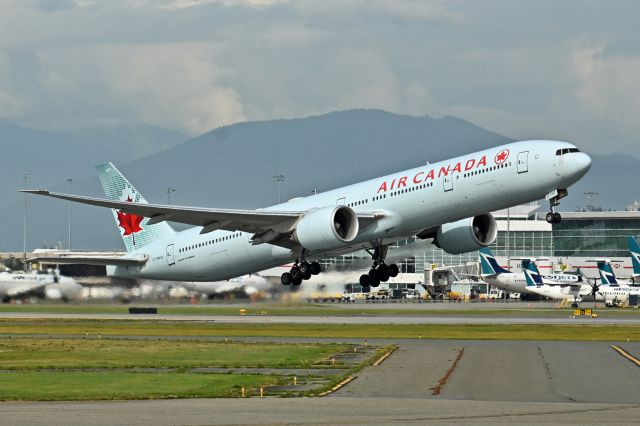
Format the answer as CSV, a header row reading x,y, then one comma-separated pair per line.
x,y
607,276
135,230
531,273
634,248
489,263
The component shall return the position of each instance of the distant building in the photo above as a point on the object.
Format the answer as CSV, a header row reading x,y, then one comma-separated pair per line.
x,y
635,207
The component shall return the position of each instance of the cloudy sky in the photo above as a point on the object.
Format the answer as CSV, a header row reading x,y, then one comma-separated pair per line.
x,y
527,69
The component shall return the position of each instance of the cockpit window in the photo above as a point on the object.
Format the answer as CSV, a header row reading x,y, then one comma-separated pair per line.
x,y
564,151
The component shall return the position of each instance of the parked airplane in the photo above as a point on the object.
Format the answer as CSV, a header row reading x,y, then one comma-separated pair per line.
x,y
607,276
634,248
50,286
497,276
249,284
557,290
608,291
446,201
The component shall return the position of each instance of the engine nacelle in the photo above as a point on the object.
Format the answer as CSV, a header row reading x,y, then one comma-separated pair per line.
x,y
467,235
327,228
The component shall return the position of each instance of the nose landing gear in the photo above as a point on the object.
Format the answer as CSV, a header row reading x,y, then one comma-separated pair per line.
x,y
554,201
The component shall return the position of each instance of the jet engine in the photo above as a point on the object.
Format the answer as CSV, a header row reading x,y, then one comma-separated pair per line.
x,y
327,228
467,235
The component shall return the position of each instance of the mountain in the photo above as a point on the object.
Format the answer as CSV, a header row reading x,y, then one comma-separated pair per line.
x,y
233,167
53,157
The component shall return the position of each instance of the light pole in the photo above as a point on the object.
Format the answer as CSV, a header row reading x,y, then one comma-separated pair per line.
x,y
169,190
69,181
590,195
25,177
279,178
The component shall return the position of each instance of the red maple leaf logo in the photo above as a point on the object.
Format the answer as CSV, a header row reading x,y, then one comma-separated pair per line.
x,y
129,222
502,156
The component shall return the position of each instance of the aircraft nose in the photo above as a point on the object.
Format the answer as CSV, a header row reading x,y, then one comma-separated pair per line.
x,y
583,162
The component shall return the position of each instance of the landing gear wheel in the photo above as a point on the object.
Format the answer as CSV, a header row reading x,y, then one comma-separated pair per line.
x,y
315,268
393,270
296,274
550,217
306,275
305,267
365,280
557,218
286,278
374,278
383,273
297,281
574,305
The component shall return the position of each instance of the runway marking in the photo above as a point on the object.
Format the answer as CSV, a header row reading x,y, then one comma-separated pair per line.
x,y
436,390
338,386
384,356
626,354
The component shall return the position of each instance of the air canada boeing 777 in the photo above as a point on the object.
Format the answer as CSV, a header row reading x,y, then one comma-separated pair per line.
x,y
448,202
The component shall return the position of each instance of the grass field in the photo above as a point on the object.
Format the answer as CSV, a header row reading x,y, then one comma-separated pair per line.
x,y
582,331
30,353
73,385
320,309
81,368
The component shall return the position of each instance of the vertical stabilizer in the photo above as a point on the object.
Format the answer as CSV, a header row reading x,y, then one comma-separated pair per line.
x,y
489,263
134,229
634,248
531,273
607,276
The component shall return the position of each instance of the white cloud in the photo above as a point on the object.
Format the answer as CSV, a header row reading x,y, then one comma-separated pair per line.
x,y
166,85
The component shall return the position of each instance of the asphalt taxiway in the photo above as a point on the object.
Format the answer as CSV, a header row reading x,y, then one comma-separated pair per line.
x,y
524,382
352,318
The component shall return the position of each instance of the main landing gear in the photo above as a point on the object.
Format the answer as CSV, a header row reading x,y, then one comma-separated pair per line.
x,y
554,197
299,272
380,271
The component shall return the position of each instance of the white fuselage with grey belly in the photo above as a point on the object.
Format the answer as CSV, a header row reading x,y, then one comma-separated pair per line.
x,y
410,201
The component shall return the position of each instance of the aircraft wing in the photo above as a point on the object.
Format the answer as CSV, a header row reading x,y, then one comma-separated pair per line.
x,y
90,260
255,221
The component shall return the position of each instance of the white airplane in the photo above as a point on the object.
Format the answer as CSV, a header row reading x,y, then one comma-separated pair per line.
x,y
554,290
634,248
607,276
607,292
497,276
250,284
447,201
50,286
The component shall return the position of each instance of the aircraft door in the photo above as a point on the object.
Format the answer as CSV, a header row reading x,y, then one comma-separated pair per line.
x,y
170,259
448,183
523,162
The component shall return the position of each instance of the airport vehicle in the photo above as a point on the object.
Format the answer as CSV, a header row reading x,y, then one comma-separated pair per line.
x,y
447,202
50,286
497,276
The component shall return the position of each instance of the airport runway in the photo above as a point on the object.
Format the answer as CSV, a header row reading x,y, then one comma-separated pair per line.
x,y
333,319
524,382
